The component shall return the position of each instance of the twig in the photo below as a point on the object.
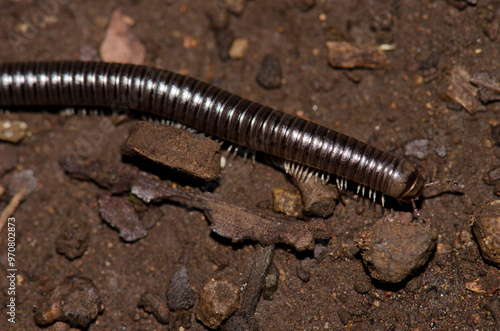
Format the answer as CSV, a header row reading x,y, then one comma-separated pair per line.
x,y
12,206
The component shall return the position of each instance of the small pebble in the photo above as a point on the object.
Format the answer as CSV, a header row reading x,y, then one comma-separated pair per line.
x,y
362,284
320,248
236,6
73,240
270,283
444,248
270,76
440,151
239,49
304,270
417,148
287,202
394,248
431,62
179,294
120,44
218,299
344,316
76,301
492,177
153,303
13,131
486,228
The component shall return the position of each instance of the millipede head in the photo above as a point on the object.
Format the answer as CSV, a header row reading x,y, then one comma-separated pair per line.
x,y
414,187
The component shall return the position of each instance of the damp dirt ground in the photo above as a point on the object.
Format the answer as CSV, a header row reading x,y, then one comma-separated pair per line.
x,y
389,108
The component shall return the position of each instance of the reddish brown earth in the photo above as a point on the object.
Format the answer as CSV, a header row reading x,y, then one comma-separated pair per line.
x,y
388,108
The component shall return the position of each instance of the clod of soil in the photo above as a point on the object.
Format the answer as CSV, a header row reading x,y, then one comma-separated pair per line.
x,y
392,250
76,301
270,72
73,240
218,300
486,228
180,150
154,304
179,294
287,202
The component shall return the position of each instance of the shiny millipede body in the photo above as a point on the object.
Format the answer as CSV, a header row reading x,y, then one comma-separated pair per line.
x,y
212,110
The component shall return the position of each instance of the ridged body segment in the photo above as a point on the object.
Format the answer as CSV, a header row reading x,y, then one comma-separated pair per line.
x,y
211,110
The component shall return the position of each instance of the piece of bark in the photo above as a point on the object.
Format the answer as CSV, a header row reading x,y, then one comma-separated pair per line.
x,y
234,222
180,150
342,54
462,91
116,178
243,319
120,214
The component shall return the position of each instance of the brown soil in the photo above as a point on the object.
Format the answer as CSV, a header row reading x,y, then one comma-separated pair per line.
x,y
388,108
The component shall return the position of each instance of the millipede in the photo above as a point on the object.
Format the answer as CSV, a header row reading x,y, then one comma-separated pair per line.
x,y
302,144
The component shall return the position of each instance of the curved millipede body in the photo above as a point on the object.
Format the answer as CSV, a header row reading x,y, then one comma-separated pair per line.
x,y
212,110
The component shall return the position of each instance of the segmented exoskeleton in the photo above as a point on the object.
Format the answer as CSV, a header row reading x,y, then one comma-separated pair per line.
x,y
212,110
